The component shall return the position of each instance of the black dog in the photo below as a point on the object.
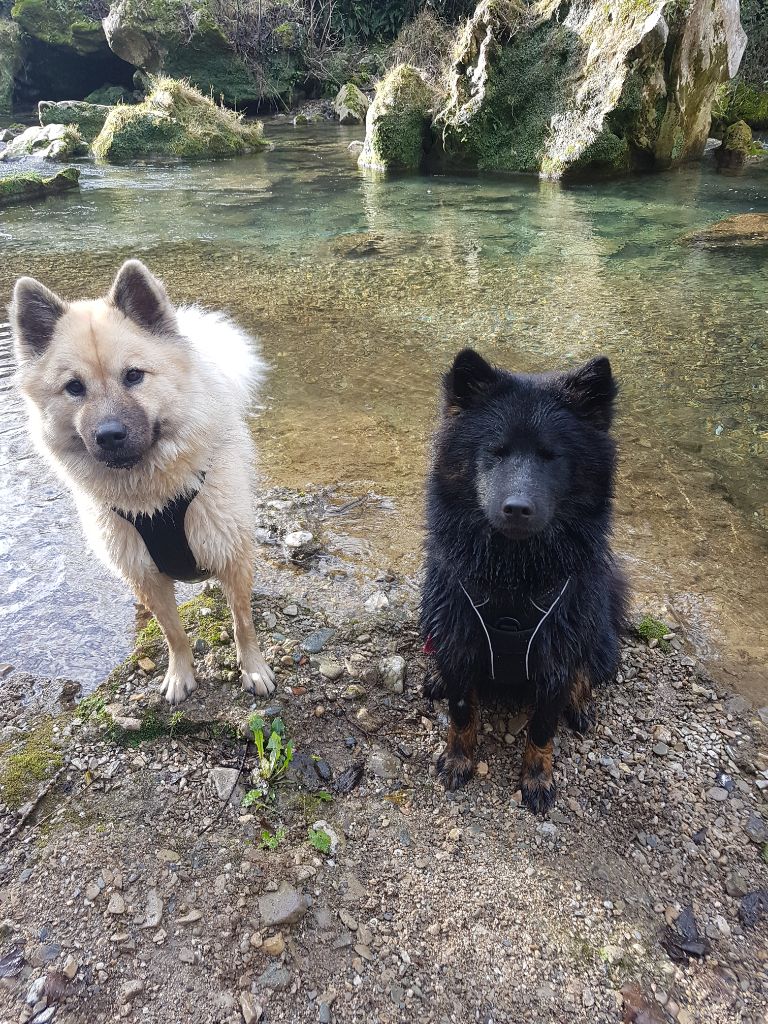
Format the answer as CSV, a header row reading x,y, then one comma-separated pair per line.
x,y
522,599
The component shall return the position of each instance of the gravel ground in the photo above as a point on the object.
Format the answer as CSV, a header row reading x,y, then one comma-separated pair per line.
x,y
134,886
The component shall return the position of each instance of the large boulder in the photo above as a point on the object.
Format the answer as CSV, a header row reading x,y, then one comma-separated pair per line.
x,y
175,120
351,105
397,125
10,62
603,86
182,38
63,23
51,142
22,188
89,118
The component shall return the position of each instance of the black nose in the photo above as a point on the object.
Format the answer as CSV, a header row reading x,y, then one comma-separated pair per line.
x,y
518,510
111,434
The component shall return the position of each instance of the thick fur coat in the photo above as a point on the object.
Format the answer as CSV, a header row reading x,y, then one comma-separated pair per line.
x,y
136,403
522,599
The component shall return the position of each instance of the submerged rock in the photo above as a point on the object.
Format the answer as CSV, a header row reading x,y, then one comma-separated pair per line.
x,y
397,125
351,105
745,230
51,142
89,118
175,120
604,86
20,188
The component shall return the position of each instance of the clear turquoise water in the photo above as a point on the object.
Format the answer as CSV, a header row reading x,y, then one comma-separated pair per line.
x,y
362,289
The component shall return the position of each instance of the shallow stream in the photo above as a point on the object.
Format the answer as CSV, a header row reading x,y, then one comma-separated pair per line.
x,y
362,289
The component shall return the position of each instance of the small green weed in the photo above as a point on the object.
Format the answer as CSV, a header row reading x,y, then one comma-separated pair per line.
x,y
271,840
275,754
319,839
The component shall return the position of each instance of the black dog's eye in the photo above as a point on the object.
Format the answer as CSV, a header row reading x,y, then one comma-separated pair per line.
x,y
546,454
134,376
500,451
75,387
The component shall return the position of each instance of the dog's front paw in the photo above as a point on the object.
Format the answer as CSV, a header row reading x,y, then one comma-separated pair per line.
x,y
539,795
178,684
258,678
454,769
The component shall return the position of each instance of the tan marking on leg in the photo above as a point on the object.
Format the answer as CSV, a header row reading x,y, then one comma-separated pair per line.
x,y
537,782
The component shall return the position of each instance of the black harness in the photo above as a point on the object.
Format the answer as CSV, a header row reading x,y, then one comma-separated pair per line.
x,y
511,618
165,538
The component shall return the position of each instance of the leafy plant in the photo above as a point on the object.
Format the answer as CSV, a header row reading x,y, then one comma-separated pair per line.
x,y
275,754
319,839
271,840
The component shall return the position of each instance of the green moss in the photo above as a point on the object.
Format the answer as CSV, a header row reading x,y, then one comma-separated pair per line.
x,y
527,80
649,629
742,102
21,770
738,138
109,95
205,617
19,188
10,62
399,124
88,118
60,23
175,120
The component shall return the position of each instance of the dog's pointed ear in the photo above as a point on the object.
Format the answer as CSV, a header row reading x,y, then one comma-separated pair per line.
x,y
468,380
34,311
139,295
590,391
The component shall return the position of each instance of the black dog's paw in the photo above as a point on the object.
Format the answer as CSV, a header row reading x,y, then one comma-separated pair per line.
x,y
454,770
538,795
582,719
434,687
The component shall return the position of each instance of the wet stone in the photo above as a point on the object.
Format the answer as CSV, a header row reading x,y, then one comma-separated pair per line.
x,y
315,642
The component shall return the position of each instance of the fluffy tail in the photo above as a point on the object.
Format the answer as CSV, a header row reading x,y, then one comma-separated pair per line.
x,y
221,343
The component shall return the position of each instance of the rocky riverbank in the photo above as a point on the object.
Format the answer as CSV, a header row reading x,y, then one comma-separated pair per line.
x,y
150,872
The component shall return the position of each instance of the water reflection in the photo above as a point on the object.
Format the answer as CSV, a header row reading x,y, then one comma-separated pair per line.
x,y
362,288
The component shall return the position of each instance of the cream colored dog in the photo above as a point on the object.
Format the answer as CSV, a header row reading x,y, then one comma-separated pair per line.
x,y
141,408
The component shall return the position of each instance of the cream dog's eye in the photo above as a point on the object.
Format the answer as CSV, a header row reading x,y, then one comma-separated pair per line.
x,y
75,387
133,376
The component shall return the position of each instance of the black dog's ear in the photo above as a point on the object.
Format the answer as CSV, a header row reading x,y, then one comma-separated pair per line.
x,y
141,297
34,311
469,379
590,391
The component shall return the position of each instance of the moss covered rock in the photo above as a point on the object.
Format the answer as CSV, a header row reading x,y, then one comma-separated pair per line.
x,y
351,105
184,39
600,87
740,101
397,125
10,62
175,120
52,142
736,147
21,188
109,95
64,23
89,118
